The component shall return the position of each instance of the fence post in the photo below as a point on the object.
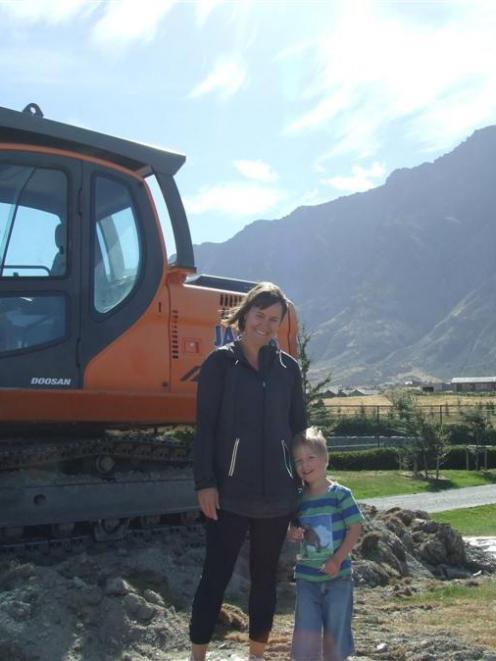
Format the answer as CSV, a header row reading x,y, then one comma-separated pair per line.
x,y
441,414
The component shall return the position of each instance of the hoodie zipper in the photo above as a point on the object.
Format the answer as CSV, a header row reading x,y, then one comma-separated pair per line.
x,y
233,458
287,458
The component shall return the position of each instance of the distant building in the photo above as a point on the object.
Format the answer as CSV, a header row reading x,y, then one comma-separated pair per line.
x,y
437,386
341,391
366,391
474,383
331,392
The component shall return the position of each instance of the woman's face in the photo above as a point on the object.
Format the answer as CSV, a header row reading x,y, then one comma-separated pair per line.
x,y
262,324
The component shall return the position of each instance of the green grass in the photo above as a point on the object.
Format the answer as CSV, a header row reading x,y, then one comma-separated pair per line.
x,y
473,521
372,484
465,610
452,593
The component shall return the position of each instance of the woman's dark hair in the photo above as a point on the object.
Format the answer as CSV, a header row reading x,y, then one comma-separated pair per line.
x,y
261,296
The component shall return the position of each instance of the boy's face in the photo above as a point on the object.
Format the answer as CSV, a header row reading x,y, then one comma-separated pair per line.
x,y
310,464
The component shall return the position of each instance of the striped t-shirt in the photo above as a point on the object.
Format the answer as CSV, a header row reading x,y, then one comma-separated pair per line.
x,y
325,519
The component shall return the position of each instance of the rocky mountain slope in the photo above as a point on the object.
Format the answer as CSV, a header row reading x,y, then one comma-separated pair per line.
x,y
394,282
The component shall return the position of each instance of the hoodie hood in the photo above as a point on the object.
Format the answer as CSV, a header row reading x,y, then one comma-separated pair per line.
x,y
266,355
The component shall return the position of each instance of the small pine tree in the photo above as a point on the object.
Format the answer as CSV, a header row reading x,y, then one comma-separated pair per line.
x,y
429,444
317,411
478,425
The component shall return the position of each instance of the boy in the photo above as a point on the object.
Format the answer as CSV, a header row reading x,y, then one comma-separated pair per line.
x,y
328,527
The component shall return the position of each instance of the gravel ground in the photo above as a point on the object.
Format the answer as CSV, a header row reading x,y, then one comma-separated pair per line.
x,y
131,602
451,499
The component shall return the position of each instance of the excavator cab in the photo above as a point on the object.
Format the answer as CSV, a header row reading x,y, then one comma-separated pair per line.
x,y
96,325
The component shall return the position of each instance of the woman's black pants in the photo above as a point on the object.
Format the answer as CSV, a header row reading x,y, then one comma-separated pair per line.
x,y
224,540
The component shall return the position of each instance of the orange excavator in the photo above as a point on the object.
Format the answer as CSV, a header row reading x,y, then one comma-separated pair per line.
x,y
102,331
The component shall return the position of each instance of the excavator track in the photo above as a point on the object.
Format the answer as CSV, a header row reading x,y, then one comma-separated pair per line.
x,y
54,487
39,547
141,445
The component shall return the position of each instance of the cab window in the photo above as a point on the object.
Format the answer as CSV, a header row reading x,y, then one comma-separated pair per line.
x,y
31,320
117,247
33,222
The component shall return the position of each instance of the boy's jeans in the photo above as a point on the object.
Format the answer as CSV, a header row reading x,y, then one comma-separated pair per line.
x,y
323,620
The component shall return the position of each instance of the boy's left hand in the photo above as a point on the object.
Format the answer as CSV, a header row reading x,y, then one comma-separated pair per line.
x,y
331,566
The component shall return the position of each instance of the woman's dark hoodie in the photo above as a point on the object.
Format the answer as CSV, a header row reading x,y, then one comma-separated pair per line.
x,y
246,420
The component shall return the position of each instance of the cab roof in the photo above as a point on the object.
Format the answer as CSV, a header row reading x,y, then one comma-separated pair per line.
x,y
29,127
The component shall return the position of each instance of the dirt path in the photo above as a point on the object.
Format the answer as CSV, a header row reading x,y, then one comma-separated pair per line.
x,y
450,499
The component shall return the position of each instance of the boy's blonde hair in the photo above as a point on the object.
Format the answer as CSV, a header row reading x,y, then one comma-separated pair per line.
x,y
314,439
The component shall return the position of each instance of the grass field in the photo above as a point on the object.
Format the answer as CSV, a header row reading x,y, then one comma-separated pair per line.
x,y
373,484
422,399
474,521
466,610
448,408
471,521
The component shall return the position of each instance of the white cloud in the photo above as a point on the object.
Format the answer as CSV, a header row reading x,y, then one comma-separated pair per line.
x,y
35,66
129,20
233,199
204,8
325,110
257,170
362,179
226,78
46,11
378,64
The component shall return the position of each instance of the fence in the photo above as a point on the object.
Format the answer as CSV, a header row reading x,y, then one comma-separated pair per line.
x,y
447,414
347,443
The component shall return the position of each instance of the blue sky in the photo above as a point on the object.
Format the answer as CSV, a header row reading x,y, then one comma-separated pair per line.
x,y
275,104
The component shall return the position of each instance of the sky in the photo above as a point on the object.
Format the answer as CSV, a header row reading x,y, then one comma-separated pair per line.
x,y
276,104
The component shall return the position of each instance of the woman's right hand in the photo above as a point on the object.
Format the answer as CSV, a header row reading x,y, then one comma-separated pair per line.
x,y
208,500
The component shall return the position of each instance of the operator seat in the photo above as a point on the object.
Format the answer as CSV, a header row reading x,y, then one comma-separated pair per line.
x,y
60,260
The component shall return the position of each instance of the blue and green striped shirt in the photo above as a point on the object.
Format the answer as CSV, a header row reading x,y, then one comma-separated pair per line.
x,y
325,519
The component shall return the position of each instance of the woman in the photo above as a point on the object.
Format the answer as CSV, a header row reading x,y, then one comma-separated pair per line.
x,y
250,406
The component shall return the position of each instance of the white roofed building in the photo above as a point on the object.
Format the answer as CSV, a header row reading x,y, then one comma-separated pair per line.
x,y
474,383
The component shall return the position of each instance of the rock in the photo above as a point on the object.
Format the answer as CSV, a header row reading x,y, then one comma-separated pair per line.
x,y
138,608
19,610
13,574
79,583
450,573
370,573
91,596
117,587
433,551
153,597
233,617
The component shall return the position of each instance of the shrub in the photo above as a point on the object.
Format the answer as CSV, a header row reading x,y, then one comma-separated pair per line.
x,y
457,458
361,425
374,459
459,435
387,459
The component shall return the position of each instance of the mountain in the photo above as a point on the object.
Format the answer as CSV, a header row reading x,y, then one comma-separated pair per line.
x,y
394,283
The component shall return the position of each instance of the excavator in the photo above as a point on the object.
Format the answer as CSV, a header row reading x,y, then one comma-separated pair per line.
x,y
103,330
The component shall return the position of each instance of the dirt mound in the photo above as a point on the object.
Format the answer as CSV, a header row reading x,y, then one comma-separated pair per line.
x,y
131,602
399,543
